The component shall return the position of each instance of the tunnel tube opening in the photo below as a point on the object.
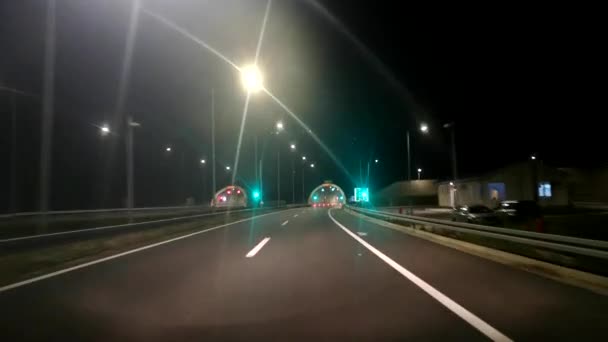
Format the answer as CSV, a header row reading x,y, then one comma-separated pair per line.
x,y
327,195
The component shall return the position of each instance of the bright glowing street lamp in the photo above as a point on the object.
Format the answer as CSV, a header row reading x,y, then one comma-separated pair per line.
x,y
251,77
292,146
227,168
168,149
203,161
129,143
424,128
376,161
279,126
304,158
312,165
419,172
105,129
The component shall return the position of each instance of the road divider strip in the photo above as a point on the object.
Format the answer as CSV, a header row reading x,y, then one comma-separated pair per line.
x,y
284,223
257,248
456,308
143,248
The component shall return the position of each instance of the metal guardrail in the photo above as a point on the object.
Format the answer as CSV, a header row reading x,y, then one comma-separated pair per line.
x,y
118,210
587,247
101,211
120,227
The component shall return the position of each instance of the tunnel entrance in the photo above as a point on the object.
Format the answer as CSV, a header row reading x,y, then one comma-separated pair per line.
x,y
232,196
327,195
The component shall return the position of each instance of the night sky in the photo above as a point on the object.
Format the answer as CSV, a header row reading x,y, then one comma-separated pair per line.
x,y
516,80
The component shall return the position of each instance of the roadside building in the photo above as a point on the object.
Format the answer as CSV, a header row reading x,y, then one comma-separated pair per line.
x,y
415,192
523,181
588,186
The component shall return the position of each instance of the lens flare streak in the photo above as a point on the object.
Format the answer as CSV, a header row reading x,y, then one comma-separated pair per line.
x,y
312,134
189,35
246,106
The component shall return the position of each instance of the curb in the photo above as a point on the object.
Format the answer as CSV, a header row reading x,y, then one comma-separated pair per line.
x,y
589,281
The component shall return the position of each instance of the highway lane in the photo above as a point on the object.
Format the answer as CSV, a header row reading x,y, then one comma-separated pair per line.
x,y
309,281
523,305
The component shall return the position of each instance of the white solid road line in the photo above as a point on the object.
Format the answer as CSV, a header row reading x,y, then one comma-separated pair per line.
x,y
257,248
91,263
284,223
456,308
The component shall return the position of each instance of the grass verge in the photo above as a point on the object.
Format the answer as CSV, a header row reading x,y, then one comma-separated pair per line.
x,y
26,264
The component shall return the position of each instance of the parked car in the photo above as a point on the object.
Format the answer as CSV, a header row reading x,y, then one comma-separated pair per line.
x,y
478,214
525,215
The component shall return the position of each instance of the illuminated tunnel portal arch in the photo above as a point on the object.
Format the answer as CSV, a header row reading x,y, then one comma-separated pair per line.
x,y
230,197
327,193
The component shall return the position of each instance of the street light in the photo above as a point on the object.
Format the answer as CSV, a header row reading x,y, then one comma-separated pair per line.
x,y
292,146
452,127
279,128
105,129
419,172
424,128
311,165
168,149
129,144
376,161
204,178
251,77
533,157
227,168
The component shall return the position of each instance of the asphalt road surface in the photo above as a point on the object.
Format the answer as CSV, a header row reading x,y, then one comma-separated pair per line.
x,y
300,275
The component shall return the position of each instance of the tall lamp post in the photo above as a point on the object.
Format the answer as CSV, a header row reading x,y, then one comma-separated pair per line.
x,y
452,128
129,148
312,166
419,172
203,163
292,148
279,128
376,161
13,160
424,128
213,184
303,193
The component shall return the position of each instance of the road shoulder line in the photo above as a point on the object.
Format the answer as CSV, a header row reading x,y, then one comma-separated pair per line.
x,y
592,282
451,305
139,249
